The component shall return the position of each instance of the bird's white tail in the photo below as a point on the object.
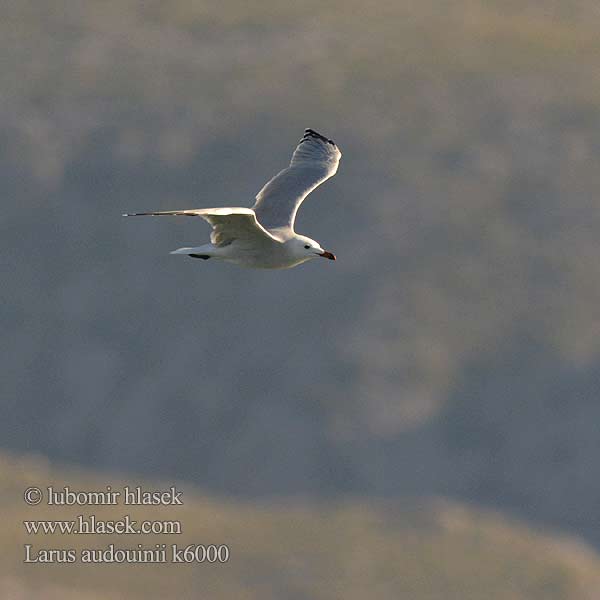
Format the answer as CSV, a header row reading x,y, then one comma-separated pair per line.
x,y
206,250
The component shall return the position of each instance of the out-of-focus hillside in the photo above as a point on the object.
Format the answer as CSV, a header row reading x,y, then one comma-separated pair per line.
x,y
452,348
423,549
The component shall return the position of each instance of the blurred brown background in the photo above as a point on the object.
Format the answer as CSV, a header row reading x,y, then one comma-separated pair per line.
x,y
452,351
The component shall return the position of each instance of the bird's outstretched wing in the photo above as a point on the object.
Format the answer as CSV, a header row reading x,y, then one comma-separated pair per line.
x,y
315,159
229,224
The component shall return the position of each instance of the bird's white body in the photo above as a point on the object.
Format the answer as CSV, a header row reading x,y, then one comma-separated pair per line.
x,y
275,255
263,237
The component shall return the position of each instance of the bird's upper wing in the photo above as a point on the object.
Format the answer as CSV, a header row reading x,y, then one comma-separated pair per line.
x,y
233,223
315,159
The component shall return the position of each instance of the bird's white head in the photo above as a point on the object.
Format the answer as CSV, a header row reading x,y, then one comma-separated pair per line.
x,y
305,248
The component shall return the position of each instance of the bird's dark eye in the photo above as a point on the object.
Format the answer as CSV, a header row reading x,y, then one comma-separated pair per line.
x,y
307,247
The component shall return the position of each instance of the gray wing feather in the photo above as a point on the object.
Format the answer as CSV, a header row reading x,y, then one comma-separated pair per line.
x,y
315,159
234,223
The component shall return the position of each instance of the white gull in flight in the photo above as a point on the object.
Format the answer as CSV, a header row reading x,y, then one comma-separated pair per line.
x,y
263,236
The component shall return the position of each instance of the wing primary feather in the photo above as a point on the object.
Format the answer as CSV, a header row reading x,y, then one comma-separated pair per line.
x,y
308,133
162,213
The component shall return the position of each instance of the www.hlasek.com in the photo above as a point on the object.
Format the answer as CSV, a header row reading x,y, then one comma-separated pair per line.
x,y
91,525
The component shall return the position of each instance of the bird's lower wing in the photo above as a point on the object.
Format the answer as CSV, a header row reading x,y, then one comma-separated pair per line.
x,y
228,224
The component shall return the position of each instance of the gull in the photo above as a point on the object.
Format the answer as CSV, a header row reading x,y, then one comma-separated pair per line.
x,y
263,236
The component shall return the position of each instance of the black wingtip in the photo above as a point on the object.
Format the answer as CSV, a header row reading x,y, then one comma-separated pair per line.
x,y
308,133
